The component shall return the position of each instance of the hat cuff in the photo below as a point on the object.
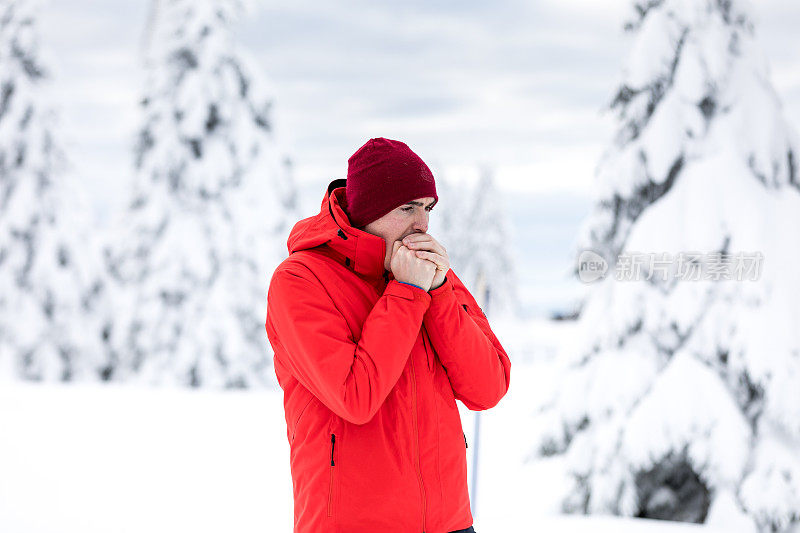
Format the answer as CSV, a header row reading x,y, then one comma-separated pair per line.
x,y
368,217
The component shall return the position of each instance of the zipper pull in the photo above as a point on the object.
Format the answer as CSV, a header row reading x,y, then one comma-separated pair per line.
x,y
333,442
465,440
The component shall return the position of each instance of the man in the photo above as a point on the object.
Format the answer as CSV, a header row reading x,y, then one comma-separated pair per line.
x,y
375,337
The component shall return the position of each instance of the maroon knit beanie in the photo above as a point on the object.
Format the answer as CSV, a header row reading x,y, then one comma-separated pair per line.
x,y
384,174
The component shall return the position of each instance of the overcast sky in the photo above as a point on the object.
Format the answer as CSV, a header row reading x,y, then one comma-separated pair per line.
x,y
519,85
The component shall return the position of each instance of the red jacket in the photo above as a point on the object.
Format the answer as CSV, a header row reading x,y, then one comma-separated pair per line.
x,y
370,370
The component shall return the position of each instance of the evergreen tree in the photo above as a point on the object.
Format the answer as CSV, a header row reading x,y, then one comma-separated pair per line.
x,y
679,398
212,205
474,229
44,259
691,64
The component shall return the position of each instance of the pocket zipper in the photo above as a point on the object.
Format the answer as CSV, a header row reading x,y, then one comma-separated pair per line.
x,y
330,486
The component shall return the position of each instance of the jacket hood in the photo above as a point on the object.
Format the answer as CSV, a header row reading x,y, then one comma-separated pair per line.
x,y
331,232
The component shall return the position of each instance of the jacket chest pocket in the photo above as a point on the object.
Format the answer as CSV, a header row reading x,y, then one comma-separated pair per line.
x,y
449,417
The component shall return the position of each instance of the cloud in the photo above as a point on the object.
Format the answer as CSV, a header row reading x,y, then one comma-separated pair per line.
x,y
514,82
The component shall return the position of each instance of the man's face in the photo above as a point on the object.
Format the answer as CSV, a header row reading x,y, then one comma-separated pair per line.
x,y
403,220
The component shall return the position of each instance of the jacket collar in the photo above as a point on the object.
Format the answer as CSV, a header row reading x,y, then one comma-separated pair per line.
x,y
330,229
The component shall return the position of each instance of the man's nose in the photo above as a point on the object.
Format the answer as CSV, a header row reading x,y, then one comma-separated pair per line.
x,y
421,222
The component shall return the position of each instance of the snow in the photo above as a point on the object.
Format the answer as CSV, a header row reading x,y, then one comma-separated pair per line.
x,y
771,490
115,458
689,407
98,458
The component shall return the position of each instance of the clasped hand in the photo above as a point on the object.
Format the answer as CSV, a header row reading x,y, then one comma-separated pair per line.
x,y
421,260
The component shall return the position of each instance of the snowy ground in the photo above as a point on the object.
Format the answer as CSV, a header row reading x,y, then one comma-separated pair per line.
x,y
113,458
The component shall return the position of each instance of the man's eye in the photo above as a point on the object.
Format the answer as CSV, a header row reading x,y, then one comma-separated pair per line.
x,y
429,208
406,209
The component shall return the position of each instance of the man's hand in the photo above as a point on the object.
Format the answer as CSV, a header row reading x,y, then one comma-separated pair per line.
x,y
426,247
409,268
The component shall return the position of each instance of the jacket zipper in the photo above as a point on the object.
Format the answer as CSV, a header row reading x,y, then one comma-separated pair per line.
x,y
416,439
414,418
330,486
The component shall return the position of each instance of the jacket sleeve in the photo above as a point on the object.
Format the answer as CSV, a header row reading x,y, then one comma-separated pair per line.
x,y
476,364
352,377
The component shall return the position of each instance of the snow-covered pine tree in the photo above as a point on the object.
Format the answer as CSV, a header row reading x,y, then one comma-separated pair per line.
x,y
212,204
661,120
447,221
681,399
474,229
44,257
